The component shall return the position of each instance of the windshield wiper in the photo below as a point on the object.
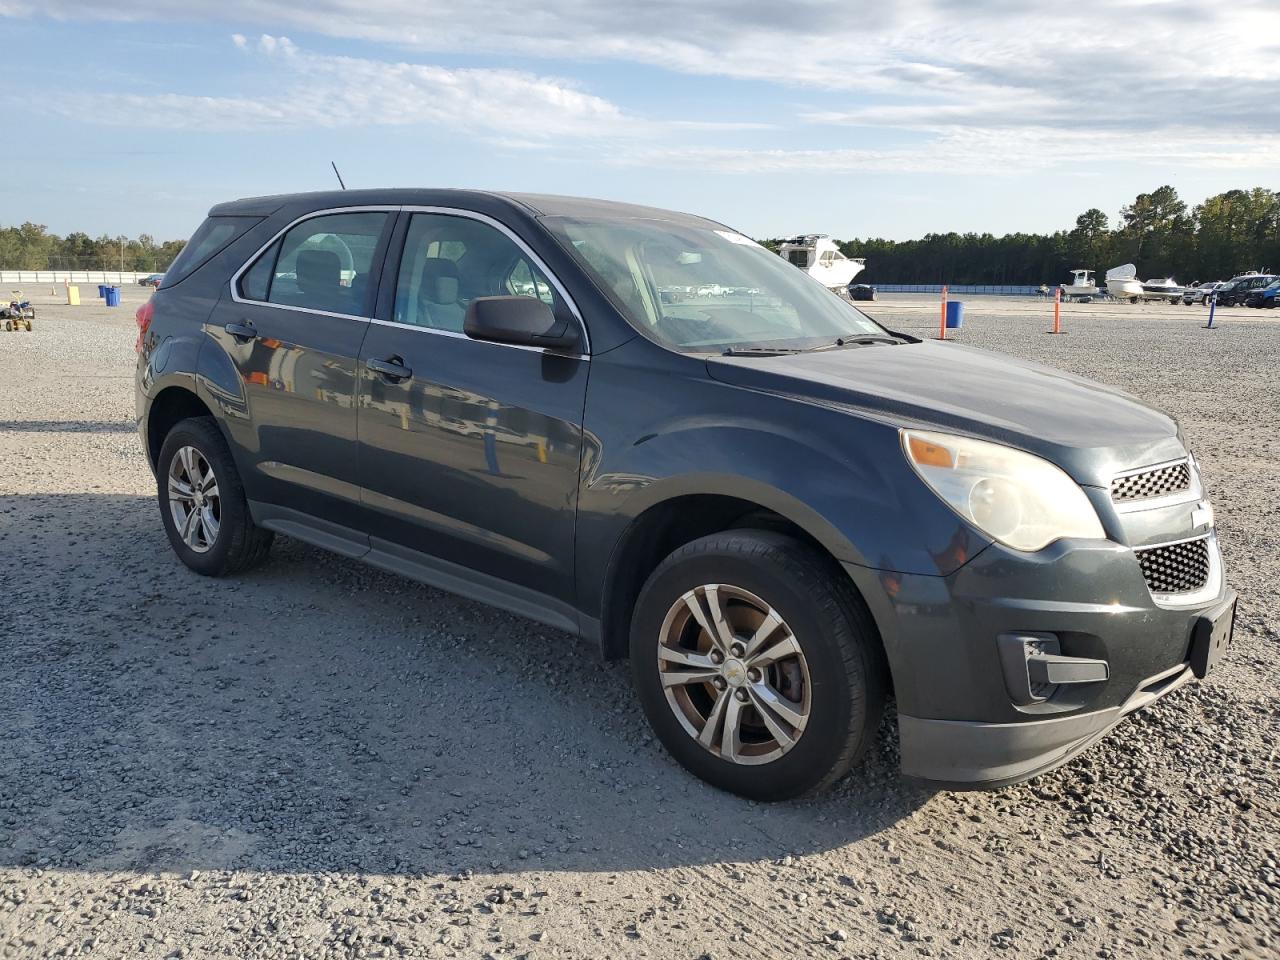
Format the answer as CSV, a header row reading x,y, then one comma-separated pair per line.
x,y
760,351
859,340
854,340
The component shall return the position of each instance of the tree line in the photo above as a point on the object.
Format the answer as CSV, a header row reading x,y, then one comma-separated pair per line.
x,y
32,247
1226,234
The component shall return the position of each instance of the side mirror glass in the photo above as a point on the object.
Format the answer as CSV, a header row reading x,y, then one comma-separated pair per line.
x,y
524,321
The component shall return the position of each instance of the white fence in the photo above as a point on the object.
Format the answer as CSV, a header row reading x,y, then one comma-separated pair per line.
x,y
36,277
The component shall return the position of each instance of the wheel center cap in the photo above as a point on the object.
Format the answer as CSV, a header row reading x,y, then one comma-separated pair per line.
x,y
199,498
734,672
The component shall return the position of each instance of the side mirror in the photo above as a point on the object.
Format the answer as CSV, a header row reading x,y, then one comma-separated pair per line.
x,y
519,320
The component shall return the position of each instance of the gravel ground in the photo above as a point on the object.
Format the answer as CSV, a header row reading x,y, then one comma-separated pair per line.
x,y
320,760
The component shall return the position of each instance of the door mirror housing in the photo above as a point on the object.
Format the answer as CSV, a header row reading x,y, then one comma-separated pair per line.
x,y
523,321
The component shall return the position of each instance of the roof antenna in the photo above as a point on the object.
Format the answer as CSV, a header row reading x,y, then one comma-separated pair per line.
x,y
337,174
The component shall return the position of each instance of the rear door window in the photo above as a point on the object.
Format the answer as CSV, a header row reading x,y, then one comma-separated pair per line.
x,y
323,263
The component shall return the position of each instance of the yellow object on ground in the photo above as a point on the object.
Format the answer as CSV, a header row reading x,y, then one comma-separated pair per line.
x,y
73,296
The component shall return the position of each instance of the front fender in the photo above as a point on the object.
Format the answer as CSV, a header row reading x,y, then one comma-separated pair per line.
x,y
655,432
858,498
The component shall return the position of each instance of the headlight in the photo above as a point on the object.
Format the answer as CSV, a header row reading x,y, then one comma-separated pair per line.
x,y
1016,498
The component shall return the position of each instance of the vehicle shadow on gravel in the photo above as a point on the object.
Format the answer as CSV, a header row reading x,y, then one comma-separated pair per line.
x,y
316,714
66,426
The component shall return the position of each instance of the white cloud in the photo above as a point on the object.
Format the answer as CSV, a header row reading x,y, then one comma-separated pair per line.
x,y
963,150
973,84
911,47
328,91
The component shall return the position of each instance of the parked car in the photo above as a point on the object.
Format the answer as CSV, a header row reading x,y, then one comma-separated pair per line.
x,y
1237,289
1201,292
861,291
777,514
1263,297
153,280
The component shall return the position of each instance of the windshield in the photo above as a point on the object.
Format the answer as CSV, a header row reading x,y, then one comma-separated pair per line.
x,y
704,290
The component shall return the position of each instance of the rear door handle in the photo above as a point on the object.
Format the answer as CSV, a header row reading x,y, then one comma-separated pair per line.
x,y
392,369
242,332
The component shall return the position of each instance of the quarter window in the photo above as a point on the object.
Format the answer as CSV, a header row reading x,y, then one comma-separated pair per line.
x,y
323,264
449,261
211,237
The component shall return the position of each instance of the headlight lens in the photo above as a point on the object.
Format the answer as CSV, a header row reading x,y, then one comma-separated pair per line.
x,y
1019,499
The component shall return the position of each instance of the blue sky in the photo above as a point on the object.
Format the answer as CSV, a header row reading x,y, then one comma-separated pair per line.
x,y
855,119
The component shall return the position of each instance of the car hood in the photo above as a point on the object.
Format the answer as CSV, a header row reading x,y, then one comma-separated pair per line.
x,y
1091,431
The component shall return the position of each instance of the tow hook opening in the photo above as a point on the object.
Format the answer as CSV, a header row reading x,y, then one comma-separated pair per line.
x,y
1035,668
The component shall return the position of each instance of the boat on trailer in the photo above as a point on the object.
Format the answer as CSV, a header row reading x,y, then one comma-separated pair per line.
x,y
818,256
1166,290
1081,287
1123,283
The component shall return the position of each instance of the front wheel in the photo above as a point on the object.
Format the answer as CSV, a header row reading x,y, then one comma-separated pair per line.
x,y
202,502
757,664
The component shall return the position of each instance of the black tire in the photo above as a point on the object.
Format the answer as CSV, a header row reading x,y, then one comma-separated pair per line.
x,y
239,543
839,641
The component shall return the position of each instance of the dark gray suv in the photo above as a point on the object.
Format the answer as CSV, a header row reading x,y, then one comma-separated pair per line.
x,y
644,429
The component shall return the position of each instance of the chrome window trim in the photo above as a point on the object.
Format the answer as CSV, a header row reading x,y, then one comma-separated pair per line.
x,y
453,334
446,211
1213,582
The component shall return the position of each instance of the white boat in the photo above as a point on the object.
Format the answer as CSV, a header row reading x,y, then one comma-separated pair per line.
x,y
817,255
1081,286
1123,283
1166,289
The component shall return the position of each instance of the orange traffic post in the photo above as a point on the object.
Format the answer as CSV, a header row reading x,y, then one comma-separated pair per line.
x,y
942,317
1057,308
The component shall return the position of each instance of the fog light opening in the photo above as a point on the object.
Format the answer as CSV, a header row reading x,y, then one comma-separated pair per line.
x,y
1035,668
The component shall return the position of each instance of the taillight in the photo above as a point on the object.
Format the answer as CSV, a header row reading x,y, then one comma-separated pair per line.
x,y
143,317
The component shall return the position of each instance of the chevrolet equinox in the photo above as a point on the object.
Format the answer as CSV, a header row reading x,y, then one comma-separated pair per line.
x,y
644,429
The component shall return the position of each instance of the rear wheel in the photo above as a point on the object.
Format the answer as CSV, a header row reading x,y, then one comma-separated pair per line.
x,y
202,502
757,666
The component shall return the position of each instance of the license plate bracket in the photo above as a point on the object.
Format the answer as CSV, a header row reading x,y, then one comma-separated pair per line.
x,y
1211,636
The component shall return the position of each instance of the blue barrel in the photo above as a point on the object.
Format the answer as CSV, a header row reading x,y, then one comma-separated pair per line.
x,y
955,314
113,297
102,291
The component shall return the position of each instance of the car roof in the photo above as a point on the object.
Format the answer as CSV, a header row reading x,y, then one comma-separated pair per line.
x,y
536,204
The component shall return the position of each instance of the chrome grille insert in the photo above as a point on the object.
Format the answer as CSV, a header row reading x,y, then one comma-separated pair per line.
x,y
1148,484
1175,568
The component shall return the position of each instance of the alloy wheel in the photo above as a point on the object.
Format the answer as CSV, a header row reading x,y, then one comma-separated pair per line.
x,y
734,674
194,502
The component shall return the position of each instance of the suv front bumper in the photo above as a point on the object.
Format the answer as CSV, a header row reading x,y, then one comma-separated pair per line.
x,y
959,726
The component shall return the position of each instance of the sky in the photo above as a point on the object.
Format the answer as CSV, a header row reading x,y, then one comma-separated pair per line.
x,y
857,119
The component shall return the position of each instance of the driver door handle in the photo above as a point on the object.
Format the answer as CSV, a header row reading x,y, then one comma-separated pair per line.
x,y
391,368
242,332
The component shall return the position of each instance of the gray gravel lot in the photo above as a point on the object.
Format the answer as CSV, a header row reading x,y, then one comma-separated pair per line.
x,y
320,760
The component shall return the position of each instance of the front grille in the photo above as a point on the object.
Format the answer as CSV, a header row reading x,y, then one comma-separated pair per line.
x,y
1176,567
1174,478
